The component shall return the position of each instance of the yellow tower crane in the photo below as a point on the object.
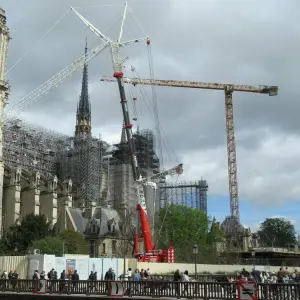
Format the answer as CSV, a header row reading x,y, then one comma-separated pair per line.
x,y
231,148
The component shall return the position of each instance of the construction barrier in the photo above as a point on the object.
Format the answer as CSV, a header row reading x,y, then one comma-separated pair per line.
x,y
247,291
116,288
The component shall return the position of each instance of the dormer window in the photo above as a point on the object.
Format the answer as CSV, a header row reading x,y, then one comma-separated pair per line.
x,y
111,224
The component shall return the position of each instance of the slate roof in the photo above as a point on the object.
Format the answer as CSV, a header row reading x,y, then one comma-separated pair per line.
x,y
78,219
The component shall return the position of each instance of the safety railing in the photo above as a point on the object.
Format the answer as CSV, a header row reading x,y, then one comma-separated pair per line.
x,y
155,289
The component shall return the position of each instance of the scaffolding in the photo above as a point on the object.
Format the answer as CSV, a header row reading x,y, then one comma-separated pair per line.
x,y
81,162
117,188
32,147
147,158
192,194
35,148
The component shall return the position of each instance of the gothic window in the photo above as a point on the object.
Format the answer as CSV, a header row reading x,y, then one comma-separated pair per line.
x,y
103,248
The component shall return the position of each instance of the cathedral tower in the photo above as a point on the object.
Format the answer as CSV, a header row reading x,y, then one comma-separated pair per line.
x,y
4,38
83,126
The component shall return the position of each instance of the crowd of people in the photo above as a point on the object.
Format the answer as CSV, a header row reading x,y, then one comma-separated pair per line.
x,y
282,276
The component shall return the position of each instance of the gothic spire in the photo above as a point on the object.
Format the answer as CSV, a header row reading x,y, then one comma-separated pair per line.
x,y
83,119
84,106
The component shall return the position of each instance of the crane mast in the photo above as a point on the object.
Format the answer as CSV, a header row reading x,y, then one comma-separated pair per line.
x,y
231,145
128,126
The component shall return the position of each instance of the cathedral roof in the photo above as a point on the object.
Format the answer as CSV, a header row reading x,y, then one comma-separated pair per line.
x,y
232,226
107,221
78,219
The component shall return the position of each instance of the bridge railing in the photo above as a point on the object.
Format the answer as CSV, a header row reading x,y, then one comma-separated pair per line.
x,y
156,288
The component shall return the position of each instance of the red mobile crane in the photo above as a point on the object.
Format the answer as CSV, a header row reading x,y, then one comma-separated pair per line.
x,y
149,253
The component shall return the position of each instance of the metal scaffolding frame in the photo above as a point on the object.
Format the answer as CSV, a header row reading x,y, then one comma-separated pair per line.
x,y
192,194
35,148
82,163
117,186
32,147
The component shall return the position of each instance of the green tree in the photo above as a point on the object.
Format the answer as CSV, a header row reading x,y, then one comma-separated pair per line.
x,y
185,227
74,242
277,232
49,245
20,237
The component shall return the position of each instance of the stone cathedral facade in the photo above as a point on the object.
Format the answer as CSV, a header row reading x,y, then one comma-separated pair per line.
x,y
64,178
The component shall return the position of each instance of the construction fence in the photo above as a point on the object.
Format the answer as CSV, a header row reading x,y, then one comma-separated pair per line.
x,y
24,264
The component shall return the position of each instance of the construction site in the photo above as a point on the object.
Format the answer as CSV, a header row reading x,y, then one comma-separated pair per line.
x,y
103,182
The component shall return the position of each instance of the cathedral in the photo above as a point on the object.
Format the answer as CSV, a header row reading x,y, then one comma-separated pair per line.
x,y
78,182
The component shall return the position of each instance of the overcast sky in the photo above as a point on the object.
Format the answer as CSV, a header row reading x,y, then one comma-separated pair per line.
x,y
244,42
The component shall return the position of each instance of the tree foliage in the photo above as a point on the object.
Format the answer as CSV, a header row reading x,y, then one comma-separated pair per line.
x,y
20,237
185,227
277,232
49,245
74,242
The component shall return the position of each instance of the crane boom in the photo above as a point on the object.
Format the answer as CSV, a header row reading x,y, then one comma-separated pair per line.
x,y
175,170
53,82
231,145
271,90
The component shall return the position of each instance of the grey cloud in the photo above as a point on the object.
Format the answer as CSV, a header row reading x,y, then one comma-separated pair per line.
x,y
246,42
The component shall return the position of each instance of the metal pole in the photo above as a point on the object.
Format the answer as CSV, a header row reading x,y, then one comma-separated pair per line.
x,y
196,266
124,263
102,269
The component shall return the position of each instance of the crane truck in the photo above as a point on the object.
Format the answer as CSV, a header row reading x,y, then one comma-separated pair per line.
x,y
143,229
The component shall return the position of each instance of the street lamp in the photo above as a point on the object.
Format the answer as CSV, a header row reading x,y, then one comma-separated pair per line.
x,y
195,251
253,256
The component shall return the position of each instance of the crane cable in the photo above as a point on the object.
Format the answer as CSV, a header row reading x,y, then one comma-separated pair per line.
x,y
165,142
38,41
155,107
150,61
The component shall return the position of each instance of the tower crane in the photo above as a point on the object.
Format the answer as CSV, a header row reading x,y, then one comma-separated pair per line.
x,y
231,147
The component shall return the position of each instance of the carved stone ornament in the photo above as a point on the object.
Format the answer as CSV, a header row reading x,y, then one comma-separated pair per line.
x,y
55,181
36,180
17,179
68,187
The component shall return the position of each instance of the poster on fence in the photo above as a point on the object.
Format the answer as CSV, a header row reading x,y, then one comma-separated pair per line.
x,y
70,266
247,291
